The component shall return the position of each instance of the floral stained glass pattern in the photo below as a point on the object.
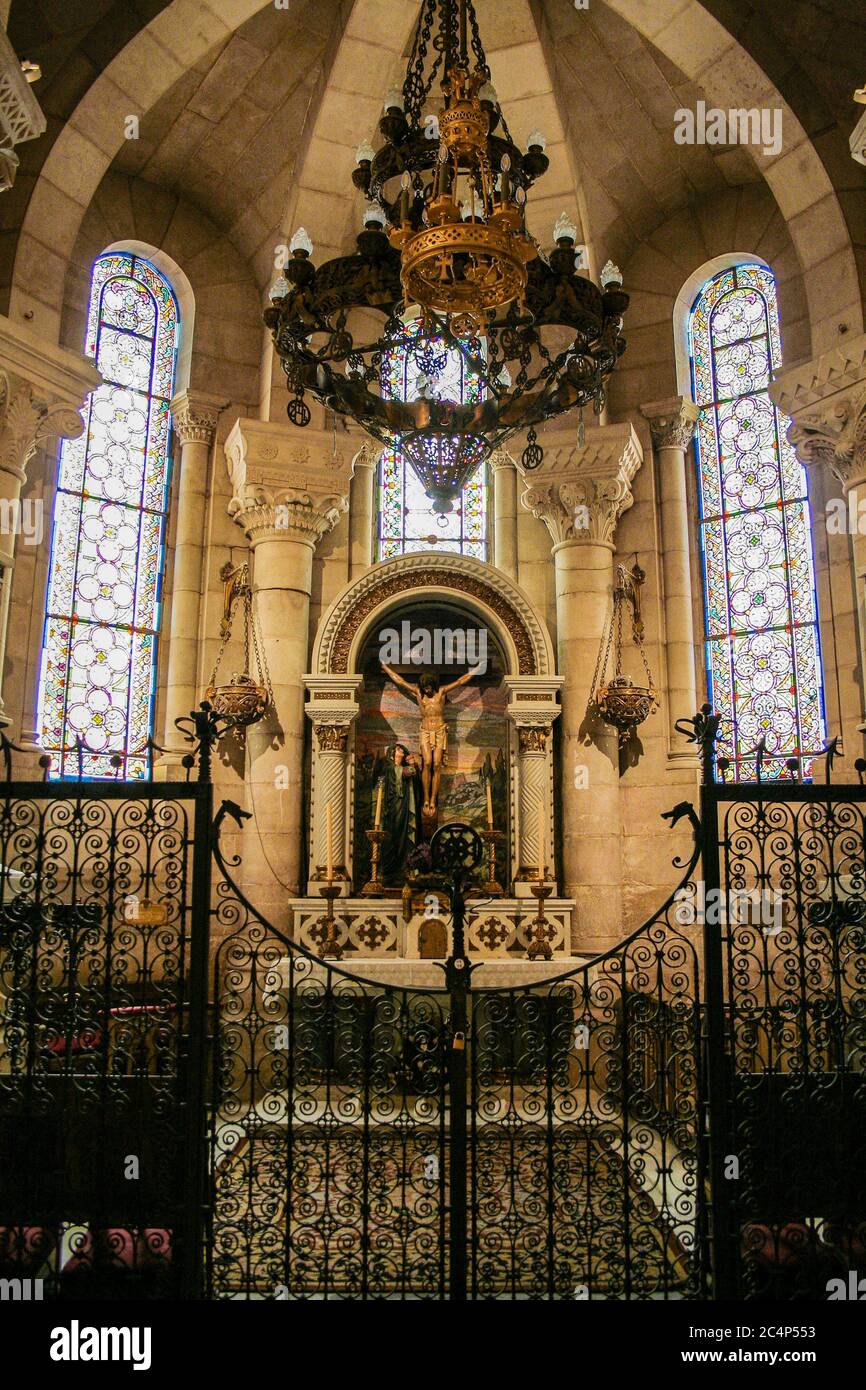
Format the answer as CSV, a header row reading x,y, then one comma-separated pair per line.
x,y
763,652
98,671
407,522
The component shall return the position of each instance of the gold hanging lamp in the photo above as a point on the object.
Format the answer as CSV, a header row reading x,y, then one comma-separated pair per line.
x,y
245,697
619,701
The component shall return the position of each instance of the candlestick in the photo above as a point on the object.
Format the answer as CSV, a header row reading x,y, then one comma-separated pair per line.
x,y
489,806
374,888
377,823
332,948
329,827
490,887
540,932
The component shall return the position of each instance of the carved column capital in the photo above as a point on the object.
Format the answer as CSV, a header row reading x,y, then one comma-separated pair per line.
x,y
533,738
825,400
42,391
283,487
332,738
194,415
285,514
368,456
672,422
580,493
500,459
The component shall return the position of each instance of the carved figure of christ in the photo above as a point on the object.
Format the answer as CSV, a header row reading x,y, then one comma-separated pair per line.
x,y
431,696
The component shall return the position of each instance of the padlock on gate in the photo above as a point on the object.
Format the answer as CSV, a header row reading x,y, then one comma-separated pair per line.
x,y
458,1042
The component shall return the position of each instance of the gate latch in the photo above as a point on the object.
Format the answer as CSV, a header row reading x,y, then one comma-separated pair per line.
x,y
458,1042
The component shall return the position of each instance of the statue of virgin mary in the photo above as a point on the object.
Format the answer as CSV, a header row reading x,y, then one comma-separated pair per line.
x,y
401,808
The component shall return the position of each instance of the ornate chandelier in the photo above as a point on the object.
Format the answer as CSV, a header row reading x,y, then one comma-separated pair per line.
x,y
446,265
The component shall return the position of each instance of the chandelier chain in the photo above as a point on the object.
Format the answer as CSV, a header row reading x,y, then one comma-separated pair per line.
x,y
444,256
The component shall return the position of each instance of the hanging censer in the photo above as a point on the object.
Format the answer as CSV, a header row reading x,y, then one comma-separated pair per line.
x,y
244,698
620,702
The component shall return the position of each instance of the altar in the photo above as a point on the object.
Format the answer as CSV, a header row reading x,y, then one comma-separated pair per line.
x,y
464,632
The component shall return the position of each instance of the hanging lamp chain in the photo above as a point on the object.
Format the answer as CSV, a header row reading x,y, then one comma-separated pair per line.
x,y
626,590
237,582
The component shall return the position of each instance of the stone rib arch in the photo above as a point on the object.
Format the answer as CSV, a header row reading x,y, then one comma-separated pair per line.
x,y
715,61
493,597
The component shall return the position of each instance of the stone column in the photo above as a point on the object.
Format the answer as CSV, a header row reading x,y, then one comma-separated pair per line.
x,y
825,400
42,391
284,511
332,709
580,494
504,512
532,709
362,508
672,423
194,417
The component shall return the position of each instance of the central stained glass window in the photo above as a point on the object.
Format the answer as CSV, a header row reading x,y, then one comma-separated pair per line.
x,y
98,675
406,520
763,652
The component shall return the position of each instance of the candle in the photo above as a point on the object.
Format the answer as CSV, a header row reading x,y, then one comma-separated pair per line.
x,y
541,844
378,821
329,826
489,806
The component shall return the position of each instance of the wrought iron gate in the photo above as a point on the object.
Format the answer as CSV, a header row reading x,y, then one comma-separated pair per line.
x,y
785,960
104,895
192,1104
374,1141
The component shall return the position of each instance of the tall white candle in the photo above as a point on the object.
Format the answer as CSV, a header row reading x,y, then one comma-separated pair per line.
x,y
378,820
329,827
489,806
541,844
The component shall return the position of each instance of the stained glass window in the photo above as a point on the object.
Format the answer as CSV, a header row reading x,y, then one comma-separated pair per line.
x,y
407,522
763,652
98,673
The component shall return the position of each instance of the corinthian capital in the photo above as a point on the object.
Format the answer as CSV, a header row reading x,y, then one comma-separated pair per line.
x,y
286,512
194,415
672,422
285,481
826,402
580,493
368,456
42,391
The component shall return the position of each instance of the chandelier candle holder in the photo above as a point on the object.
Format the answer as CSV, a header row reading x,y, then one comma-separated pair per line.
x,y
619,700
244,698
444,243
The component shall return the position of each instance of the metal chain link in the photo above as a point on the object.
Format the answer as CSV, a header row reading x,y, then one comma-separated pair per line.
x,y
252,635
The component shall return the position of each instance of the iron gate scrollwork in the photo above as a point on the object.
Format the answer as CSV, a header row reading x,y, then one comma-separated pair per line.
x,y
375,1141
788,950
104,890
193,1104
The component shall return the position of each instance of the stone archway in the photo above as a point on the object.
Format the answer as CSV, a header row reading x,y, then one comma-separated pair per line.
x,y
332,707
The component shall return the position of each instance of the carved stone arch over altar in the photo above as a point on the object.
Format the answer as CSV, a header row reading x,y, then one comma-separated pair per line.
x,y
495,597
531,682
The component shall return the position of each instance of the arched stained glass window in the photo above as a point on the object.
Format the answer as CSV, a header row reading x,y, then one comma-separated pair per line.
x,y
98,674
763,653
406,521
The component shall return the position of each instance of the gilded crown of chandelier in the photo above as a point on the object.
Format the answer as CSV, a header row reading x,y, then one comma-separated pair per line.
x,y
445,258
